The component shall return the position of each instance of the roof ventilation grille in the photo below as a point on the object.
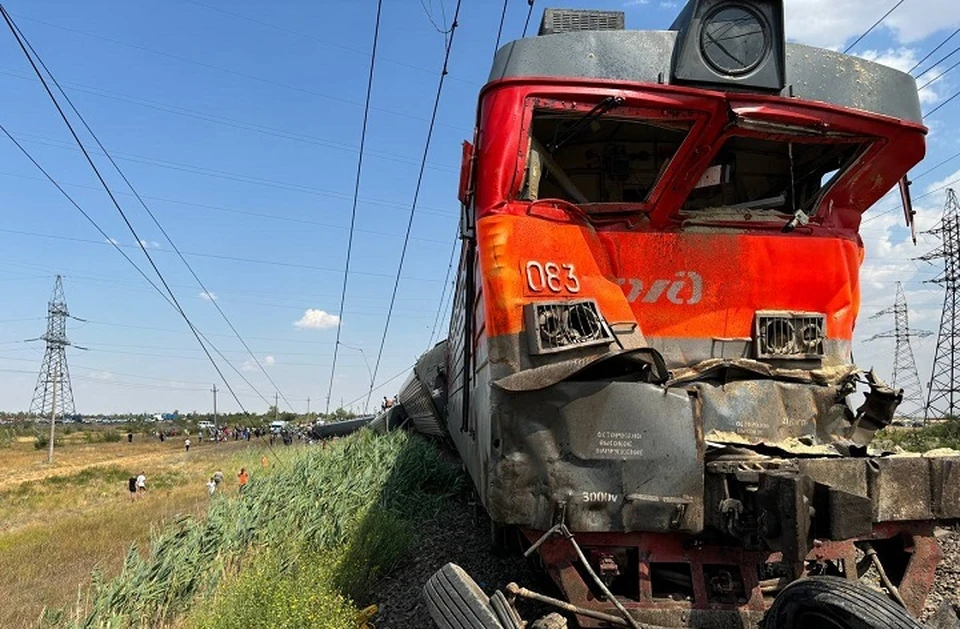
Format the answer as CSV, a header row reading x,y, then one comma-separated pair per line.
x,y
570,20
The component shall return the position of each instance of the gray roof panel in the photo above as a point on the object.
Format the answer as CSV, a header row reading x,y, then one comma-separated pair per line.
x,y
812,73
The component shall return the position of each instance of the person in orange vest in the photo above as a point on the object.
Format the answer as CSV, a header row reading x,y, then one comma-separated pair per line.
x,y
244,477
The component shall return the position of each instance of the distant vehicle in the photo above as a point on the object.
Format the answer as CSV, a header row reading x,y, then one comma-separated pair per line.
x,y
278,426
205,425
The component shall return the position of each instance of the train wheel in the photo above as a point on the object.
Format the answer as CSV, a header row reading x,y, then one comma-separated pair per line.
x,y
835,603
455,601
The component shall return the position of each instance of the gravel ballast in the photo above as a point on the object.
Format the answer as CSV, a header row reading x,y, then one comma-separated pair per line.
x,y
461,533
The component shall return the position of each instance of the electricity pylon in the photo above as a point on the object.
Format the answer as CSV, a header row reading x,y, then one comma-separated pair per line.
x,y
53,394
943,394
904,366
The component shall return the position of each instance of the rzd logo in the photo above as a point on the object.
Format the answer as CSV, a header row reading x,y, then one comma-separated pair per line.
x,y
673,290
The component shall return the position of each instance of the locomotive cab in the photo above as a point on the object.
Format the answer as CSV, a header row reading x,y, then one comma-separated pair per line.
x,y
652,326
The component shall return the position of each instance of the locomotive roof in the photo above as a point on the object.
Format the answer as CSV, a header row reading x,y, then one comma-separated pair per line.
x,y
812,73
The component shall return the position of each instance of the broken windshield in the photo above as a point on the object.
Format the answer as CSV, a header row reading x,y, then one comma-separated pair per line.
x,y
611,159
762,174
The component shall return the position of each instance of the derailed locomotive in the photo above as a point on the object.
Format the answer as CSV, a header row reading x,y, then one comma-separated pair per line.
x,y
650,343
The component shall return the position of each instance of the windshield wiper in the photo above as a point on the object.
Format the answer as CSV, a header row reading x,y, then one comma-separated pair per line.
x,y
601,108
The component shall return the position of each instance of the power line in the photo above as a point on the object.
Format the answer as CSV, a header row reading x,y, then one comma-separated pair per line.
x,y
216,68
293,265
894,208
233,123
109,241
443,294
940,106
416,194
238,177
20,40
939,61
356,195
503,15
153,217
937,78
526,22
875,24
929,54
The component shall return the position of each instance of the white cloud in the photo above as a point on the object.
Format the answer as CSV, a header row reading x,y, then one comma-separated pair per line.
x,y
113,241
101,375
208,295
317,319
251,365
149,244
836,23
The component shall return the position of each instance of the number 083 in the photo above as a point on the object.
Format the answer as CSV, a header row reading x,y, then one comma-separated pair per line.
x,y
552,277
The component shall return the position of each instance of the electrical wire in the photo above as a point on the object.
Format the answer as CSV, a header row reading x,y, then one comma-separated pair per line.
x,y
153,217
446,284
108,240
20,41
930,54
293,265
939,61
258,181
875,24
503,15
356,196
233,123
895,208
526,23
223,70
416,195
940,106
937,78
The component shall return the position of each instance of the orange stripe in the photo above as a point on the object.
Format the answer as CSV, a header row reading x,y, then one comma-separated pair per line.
x,y
695,285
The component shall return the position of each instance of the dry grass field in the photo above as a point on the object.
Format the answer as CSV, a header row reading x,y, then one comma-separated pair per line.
x,y
60,522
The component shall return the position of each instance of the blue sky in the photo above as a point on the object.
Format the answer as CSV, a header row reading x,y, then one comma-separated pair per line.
x,y
239,123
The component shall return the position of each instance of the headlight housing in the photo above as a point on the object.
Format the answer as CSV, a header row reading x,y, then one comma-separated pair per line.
x,y
794,335
562,325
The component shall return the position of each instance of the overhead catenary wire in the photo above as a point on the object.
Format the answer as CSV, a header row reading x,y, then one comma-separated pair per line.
x,y
113,199
873,26
503,15
443,293
526,22
939,76
416,195
941,105
223,70
239,177
139,270
153,217
356,196
939,61
930,54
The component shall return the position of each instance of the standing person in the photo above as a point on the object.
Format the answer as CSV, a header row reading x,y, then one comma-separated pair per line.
x,y
130,437
186,444
132,485
243,477
161,437
141,484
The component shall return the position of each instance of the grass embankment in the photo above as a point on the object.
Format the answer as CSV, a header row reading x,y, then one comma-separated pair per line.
x,y
944,434
300,548
60,522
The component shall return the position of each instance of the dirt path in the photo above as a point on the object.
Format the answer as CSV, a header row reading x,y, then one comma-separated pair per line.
x,y
22,463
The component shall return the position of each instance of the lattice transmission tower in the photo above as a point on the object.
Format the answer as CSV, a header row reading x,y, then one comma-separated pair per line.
x,y
53,394
943,391
905,373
